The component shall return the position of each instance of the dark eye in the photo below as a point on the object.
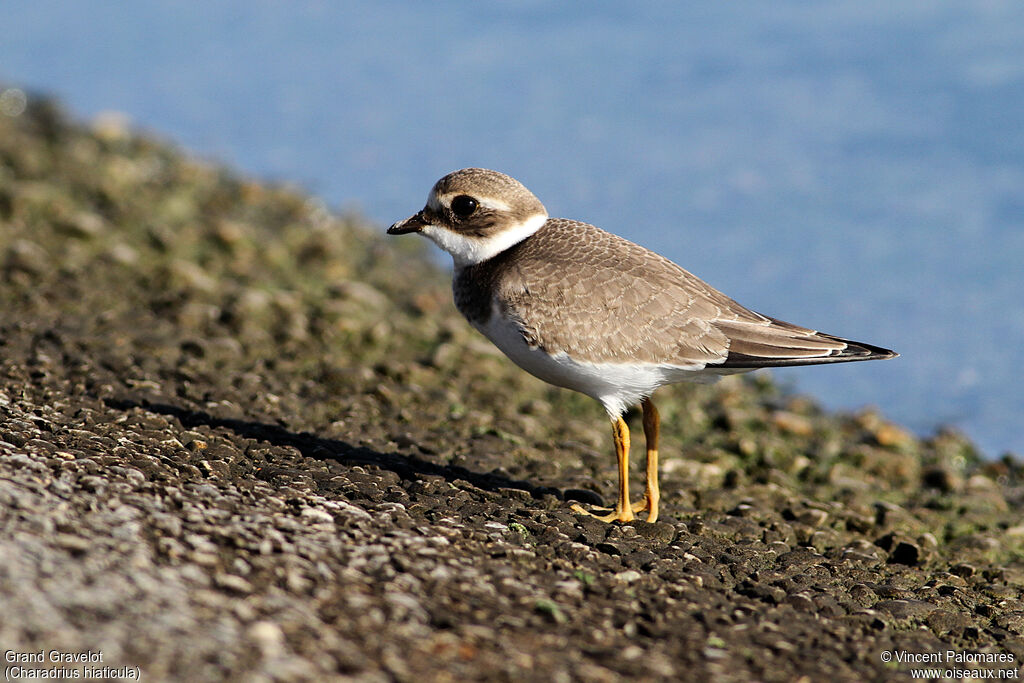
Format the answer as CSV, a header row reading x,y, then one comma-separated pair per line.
x,y
463,205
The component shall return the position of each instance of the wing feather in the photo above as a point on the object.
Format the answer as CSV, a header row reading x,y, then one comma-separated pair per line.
x,y
599,298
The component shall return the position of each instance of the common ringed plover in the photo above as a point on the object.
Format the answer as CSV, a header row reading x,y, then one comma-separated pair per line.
x,y
584,309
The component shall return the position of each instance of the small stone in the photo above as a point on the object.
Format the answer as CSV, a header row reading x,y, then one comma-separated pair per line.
x,y
1012,622
906,609
891,436
658,533
812,517
584,496
942,478
628,576
609,548
800,602
233,583
27,257
905,553
76,545
269,639
317,516
943,622
792,423
799,558
963,570
83,224
521,495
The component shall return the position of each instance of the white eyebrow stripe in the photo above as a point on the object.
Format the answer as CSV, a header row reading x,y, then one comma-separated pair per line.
x,y
493,204
436,203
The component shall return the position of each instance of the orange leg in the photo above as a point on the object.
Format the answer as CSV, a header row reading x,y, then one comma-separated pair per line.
x,y
623,510
652,494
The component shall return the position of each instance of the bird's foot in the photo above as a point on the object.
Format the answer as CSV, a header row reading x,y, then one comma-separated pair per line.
x,y
644,505
617,515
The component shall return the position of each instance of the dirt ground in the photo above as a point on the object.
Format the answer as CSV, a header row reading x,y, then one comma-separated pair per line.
x,y
245,438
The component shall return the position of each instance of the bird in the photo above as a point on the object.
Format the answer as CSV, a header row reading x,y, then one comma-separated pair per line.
x,y
584,309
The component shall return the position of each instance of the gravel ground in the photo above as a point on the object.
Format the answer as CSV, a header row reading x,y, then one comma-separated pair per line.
x,y
244,438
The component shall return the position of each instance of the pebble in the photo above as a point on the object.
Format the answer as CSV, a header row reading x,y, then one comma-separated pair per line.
x,y
317,516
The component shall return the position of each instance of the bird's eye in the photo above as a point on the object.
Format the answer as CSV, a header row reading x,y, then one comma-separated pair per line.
x,y
463,205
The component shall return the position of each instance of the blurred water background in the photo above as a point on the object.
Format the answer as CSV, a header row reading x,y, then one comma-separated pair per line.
x,y
857,167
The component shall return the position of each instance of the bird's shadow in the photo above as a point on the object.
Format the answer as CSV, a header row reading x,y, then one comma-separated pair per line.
x,y
407,467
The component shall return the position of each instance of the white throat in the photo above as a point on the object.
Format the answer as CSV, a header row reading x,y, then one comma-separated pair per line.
x,y
468,251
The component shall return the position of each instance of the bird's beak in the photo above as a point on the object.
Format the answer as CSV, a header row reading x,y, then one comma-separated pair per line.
x,y
413,223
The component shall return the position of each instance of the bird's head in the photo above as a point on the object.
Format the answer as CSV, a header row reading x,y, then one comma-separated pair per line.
x,y
475,214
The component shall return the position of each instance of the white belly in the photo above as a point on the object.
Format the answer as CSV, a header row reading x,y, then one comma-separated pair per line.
x,y
616,385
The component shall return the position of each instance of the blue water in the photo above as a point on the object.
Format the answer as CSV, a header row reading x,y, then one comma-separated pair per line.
x,y
856,167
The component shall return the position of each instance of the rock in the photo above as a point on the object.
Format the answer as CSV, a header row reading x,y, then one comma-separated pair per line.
x,y
905,609
26,256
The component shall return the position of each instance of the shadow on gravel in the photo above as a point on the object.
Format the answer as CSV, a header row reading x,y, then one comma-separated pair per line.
x,y
405,466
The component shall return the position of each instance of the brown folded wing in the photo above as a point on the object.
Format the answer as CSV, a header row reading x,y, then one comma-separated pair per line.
x,y
600,298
